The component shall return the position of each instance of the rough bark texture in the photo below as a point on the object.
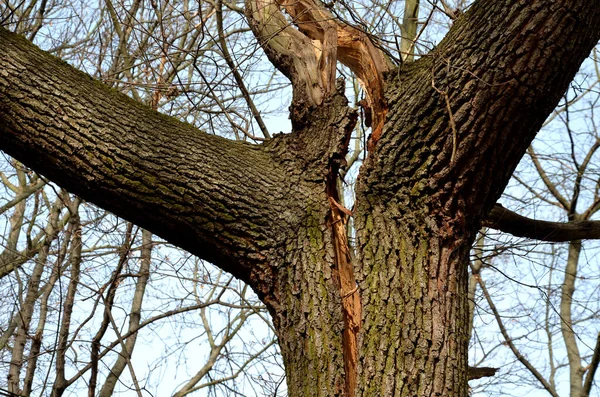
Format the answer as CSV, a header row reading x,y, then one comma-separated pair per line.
x,y
224,201
459,120
260,212
307,305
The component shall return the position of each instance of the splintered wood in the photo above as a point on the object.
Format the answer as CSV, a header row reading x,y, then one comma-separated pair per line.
x,y
350,46
349,292
328,40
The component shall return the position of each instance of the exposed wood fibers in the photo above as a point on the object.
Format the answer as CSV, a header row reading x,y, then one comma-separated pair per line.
x,y
349,45
351,305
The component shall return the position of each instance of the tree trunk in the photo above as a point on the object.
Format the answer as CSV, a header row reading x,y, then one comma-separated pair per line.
x,y
459,121
413,287
576,370
307,300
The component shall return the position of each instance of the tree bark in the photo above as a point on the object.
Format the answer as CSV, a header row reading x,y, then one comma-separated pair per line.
x,y
227,202
459,121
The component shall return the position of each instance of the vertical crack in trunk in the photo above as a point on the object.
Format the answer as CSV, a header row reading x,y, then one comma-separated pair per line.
x,y
351,305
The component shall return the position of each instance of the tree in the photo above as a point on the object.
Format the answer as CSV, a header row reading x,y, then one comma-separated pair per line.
x,y
388,316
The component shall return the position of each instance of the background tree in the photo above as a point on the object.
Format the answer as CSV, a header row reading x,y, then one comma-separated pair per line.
x,y
270,214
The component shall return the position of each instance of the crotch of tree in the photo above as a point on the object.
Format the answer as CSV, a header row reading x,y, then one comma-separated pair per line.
x,y
308,55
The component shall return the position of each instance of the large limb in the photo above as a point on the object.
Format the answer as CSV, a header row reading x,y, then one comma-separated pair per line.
x,y
464,115
261,212
224,201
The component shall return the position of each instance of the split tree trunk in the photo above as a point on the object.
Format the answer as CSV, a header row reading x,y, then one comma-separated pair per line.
x,y
459,120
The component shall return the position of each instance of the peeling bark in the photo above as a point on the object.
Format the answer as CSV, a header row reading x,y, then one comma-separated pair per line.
x,y
351,305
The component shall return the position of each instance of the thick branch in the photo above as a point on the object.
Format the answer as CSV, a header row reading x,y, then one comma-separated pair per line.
x,y
481,372
410,23
294,54
462,117
507,221
354,49
224,201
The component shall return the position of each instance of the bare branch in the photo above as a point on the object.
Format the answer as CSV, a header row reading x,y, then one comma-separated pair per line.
x,y
589,378
511,345
236,74
507,221
566,317
409,29
551,187
128,344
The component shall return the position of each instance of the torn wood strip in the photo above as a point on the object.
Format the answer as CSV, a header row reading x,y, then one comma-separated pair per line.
x,y
351,304
308,56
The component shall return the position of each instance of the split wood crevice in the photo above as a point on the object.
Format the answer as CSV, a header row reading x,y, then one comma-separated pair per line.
x,y
305,46
307,54
351,305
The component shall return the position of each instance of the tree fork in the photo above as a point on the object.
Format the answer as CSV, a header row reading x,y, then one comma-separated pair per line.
x,y
308,56
504,65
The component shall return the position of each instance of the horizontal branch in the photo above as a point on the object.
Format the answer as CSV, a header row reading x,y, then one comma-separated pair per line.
x,y
480,372
507,221
222,200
